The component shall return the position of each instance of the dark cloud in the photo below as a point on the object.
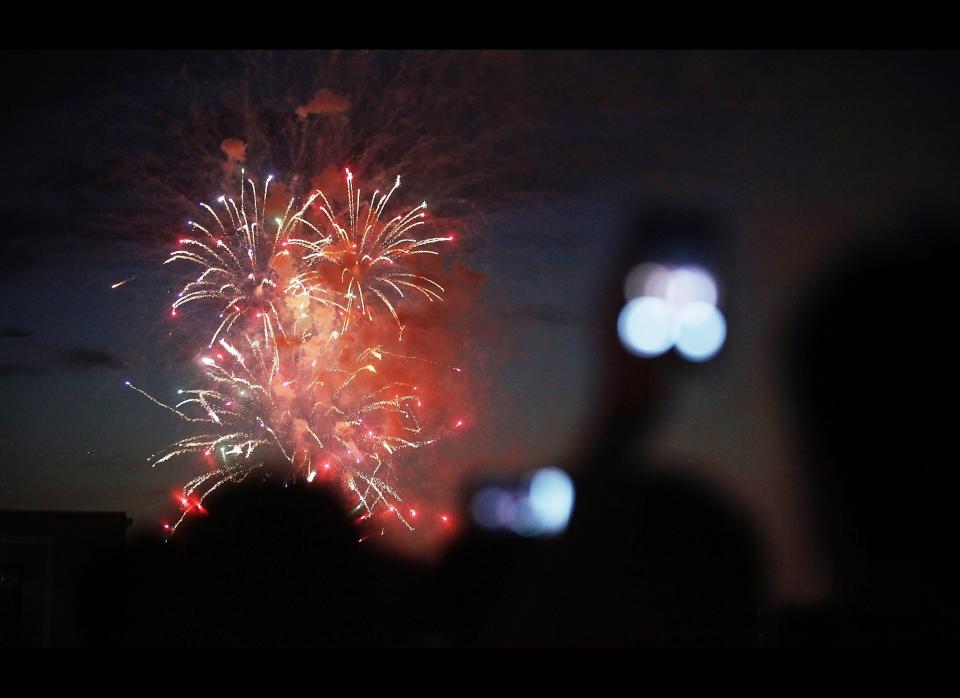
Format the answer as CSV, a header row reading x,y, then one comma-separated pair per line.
x,y
15,264
548,315
82,359
14,332
102,463
18,369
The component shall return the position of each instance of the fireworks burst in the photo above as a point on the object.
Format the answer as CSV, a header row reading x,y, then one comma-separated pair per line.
x,y
367,254
285,379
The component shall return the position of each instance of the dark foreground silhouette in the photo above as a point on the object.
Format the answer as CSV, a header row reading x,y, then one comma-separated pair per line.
x,y
660,562
874,374
276,566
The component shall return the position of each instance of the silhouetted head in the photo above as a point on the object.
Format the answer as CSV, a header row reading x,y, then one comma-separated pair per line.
x,y
875,373
695,564
657,560
275,563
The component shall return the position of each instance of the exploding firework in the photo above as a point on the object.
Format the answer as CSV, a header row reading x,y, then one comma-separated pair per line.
x,y
285,379
247,267
367,254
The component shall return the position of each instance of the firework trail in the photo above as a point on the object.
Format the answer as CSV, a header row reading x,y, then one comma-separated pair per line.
x,y
287,379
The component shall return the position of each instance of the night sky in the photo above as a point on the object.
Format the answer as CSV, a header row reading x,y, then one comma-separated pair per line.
x,y
540,160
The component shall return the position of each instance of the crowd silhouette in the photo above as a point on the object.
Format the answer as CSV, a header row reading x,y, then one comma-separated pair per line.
x,y
651,557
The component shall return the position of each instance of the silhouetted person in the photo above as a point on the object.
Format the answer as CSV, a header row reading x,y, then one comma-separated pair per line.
x,y
874,374
648,559
274,564
671,563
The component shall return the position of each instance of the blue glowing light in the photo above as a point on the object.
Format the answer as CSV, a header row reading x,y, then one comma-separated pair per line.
x,y
699,331
644,326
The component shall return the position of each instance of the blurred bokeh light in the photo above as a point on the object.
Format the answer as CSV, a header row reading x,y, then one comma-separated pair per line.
x,y
542,507
669,307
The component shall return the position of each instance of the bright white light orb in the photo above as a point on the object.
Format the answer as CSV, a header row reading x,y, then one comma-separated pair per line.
x,y
699,331
645,325
690,285
551,499
541,508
